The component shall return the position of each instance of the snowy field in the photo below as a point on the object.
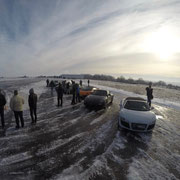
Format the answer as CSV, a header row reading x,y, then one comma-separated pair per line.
x,y
163,96
71,142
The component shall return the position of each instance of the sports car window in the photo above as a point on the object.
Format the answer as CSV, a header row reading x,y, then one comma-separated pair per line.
x,y
87,88
136,106
100,93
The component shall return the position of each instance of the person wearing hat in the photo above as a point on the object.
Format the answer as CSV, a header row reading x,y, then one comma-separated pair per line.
x,y
32,100
2,104
16,104
149,93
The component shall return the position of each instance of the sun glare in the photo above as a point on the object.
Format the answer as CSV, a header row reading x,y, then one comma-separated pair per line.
x,y
163,43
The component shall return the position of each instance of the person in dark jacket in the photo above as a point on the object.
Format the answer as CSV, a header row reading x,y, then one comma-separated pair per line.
x,y
2,104
68,88
78,99
64,84
32,100
52,85
59,91
47,82
73,93
88,82
80,83
149,92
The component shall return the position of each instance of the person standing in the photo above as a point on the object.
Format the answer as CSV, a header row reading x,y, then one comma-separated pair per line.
x,y
149,93
59,90
2,104
88,82
78,99
68,88
32,100
47,82
52,85
16,104
80,83
64,84
73,93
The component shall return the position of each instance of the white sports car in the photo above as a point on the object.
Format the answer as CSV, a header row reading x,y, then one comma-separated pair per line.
x,y
135,115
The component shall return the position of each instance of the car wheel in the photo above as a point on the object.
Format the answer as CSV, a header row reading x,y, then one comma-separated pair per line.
x,y
105,106
111,101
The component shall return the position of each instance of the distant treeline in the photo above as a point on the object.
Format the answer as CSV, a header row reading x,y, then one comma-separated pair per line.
x,y
122,79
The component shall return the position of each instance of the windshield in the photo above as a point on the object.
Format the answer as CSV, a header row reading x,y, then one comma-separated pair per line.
x,y
137,106
100,93
87,88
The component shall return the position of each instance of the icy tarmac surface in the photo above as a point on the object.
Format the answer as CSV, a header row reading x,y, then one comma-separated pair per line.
x,y
71,142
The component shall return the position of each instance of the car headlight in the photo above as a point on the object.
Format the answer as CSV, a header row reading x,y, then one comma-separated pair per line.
x,y
153,121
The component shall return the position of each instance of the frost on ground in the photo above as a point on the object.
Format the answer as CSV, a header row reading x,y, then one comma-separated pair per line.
x,y
159,92
72,142
162,96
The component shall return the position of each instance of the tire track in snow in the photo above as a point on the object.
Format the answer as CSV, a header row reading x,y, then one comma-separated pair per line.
x,y
73,142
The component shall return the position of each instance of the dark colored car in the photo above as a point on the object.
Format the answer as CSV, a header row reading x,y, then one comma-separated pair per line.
x,y
99,99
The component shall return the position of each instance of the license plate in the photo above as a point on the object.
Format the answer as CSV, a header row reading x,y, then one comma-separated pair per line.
x,y
140,126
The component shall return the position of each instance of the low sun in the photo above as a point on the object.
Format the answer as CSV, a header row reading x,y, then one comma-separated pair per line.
x,y
163,43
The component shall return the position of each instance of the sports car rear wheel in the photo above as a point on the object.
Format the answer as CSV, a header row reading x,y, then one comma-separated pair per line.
x,y
111,100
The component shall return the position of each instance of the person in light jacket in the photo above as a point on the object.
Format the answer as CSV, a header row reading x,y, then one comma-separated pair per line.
x,y
16,105
32,100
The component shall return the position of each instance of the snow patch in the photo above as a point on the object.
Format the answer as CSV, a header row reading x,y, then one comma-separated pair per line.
x,y
148,168
97,120
15,158
58,143
75,172
163,102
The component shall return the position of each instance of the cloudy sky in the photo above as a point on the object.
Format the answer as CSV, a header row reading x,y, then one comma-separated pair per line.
x,y
47,37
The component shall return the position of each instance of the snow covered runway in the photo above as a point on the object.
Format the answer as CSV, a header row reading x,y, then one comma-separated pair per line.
x,y
71,142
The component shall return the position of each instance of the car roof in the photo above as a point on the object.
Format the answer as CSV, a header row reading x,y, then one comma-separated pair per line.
x,y
134,99
102,90
87,87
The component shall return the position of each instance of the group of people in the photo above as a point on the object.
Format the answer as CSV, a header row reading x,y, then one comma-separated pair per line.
x,y
76,93
65,88
16,102
16,105
66,85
